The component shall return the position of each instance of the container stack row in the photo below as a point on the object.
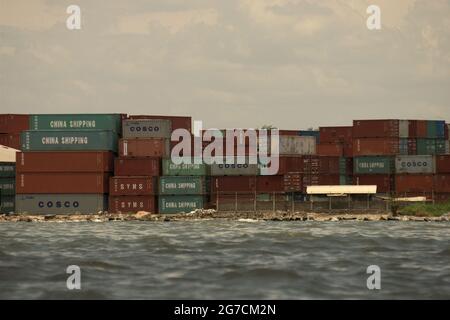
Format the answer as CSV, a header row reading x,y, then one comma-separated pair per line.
x,y
7,187
66,162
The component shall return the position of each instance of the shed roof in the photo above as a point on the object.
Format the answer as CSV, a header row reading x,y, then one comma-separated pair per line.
x,y
333,190
7,154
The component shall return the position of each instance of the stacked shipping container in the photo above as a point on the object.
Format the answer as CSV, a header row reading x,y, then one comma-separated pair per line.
x,y
11,126
7,187
66,163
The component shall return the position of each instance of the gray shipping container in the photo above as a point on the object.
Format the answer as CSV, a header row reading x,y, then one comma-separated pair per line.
x,y
234,168
403,128
148,128
415,164
61,203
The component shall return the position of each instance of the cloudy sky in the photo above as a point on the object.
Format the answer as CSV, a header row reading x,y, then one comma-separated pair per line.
x,y
231,63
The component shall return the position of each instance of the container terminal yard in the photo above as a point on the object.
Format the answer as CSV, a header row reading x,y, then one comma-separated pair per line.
x,y
118,163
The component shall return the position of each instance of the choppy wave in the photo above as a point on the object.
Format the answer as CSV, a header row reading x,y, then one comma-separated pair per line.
x,y
225,260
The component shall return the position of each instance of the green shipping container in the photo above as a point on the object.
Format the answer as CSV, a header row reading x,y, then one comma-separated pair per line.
x,y
345,180
7,186
172,169
69,140
374,165
7,169
441,146
426,146
178,204
7,204
112,122
174,185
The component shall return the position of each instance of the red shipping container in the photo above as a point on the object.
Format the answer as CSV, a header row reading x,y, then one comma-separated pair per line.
x,y
137,166
232,197
293,182
287,164
348,150
376,128
148,147
11,140
330,149
14,123
384,183
177,122
421,129
62,183
267,184
132,204
233,184
64,161
335,134
376,146
408,183
320,165
320,180
443,164
132,186
442,183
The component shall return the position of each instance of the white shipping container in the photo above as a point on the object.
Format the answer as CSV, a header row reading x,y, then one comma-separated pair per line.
x,y
415,164
148,128
293,145
404,128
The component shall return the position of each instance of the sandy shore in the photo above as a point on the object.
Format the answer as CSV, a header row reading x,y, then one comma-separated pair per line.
x,y
212,214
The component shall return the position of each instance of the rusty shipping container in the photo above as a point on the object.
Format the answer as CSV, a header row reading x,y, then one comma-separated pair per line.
x,y
233,184
285,164
385,183
65,161
149,147
293,182
407,183
376,129
132,204
137,166
376,146
60,183
321,165
443,164
11,140
267,184
336,134
176,121
14,123
442,183
330,149
61,203
146,128
132,186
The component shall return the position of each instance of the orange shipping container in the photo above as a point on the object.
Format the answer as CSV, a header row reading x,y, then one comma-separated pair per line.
x,y
375,147
62,183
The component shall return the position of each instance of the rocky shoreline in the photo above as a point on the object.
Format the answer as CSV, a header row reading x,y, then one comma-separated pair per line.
x,y
212,214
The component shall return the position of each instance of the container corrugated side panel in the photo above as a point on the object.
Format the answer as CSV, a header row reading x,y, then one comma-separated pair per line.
x,y
7,186
151,128
112,122
440,146
88,140
426,146
7,169
415,164
178,204
7,204
132,203
404,128
61,203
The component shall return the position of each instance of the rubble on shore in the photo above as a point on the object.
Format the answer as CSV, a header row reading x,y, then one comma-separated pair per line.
x,y
212,214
